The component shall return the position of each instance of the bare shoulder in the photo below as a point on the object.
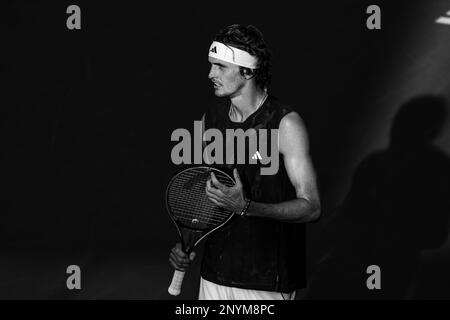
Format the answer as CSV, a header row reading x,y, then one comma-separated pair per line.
x,y
292,133
292,121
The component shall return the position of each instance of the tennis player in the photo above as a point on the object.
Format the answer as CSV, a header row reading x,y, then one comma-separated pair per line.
x,y
261,253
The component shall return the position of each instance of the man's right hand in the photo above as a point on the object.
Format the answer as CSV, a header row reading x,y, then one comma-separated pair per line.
x,y
179,259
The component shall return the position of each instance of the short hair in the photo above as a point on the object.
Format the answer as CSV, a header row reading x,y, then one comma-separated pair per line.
x,y
250,39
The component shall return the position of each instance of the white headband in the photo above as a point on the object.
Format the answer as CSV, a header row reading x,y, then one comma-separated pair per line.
x,y
232,55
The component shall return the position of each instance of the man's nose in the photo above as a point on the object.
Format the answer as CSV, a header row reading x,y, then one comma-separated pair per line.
x,y
212,73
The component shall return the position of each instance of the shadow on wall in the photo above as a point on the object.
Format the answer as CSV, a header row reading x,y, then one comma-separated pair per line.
x,y
397,208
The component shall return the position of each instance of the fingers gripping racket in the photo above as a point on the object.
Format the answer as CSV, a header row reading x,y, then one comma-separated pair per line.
x,y
193,214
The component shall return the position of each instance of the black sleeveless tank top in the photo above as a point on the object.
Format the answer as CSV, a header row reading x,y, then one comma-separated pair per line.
x,y
252,252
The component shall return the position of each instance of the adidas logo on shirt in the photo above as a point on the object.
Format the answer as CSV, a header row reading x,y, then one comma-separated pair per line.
x,y
256,156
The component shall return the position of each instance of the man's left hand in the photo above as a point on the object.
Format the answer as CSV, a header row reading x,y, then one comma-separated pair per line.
x,y
231,198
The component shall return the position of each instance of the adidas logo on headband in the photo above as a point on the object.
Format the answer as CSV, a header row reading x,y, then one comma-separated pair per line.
x,y
232,55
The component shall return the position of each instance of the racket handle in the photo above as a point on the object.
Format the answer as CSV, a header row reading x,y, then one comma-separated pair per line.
x,y
177,280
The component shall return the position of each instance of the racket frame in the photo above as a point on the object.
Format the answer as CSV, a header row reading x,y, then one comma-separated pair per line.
x,y
186,232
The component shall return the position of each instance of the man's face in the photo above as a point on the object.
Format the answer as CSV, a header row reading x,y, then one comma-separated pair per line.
x,y
226,78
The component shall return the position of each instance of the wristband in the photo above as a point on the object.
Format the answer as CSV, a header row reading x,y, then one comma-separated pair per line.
x,y
247,204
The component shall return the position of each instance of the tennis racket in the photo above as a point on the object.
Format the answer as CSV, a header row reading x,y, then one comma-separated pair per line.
x,y
194,215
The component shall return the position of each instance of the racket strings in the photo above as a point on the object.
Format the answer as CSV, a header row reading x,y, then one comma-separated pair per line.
x,y
213,210
189,214
188,201
198,224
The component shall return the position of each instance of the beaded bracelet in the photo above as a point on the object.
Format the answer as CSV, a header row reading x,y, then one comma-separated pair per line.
x,y
247,204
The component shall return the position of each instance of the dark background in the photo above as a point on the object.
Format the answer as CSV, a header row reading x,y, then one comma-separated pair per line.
x,y
86,119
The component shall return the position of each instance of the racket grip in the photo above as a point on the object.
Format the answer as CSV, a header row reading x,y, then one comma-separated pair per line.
x,y
177,280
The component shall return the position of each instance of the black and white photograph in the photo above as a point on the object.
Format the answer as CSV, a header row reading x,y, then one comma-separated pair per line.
x,y
251,151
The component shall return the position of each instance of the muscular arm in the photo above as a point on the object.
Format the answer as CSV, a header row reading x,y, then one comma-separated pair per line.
x,y
293,144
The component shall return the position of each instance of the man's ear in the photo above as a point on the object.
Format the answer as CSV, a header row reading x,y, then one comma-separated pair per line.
x,y
247,73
